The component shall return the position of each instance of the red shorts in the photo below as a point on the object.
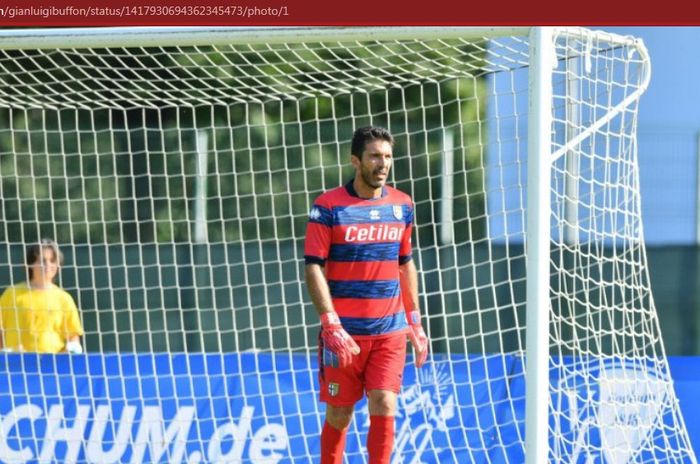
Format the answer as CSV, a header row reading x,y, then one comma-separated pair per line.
x,y
379,366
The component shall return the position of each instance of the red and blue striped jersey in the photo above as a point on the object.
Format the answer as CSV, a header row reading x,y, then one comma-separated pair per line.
x,y
361,242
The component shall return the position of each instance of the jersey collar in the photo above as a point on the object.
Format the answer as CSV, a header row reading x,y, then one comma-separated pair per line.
x,y
351,191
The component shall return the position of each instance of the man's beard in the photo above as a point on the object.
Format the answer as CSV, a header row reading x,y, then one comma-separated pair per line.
x,y
367,176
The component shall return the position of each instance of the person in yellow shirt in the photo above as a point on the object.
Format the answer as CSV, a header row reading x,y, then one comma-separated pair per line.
x,y
38,316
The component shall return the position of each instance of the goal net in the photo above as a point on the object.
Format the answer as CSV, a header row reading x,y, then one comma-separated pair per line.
x,y
176,169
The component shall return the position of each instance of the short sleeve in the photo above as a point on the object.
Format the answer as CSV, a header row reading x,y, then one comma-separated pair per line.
x,y
318,233
71,318
405,248
5,303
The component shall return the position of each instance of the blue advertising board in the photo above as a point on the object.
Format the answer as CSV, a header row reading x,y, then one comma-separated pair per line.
x,y
255,408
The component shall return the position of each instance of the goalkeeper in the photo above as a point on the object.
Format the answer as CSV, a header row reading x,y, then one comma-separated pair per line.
x,y
37,315
364,285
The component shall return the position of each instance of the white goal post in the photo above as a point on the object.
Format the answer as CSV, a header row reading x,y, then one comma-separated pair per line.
x,y
176,168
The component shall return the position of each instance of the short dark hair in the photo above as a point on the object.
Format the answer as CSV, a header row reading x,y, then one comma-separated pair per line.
x,y
35,252
363,135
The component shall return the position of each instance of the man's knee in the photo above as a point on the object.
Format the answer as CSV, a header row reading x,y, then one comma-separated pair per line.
x,y
382,403
339,416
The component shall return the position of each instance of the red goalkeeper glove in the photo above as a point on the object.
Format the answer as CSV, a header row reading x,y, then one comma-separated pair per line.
x,y
338,345
418,338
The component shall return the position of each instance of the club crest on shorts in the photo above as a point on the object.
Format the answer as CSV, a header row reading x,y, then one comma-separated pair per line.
x,y
398,212
333,389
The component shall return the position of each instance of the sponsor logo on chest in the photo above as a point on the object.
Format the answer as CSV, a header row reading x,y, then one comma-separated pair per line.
x,y
374,233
